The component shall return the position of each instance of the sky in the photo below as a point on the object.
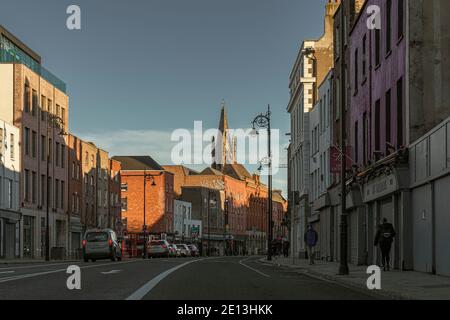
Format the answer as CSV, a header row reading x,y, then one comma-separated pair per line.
x,y
139,69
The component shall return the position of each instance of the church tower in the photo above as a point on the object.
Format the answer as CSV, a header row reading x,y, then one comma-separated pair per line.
x,y
224,150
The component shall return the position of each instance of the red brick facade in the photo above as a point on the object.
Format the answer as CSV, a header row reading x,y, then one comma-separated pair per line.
x,y
158,199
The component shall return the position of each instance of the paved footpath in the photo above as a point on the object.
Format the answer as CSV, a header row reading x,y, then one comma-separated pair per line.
x,y
394,284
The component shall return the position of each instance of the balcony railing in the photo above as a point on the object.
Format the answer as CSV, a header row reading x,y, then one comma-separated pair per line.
x,y
8,57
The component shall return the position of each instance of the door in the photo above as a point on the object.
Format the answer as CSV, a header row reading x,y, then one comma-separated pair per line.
x,y
10,236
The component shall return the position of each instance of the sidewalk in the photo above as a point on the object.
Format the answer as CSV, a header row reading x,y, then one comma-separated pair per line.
x,y
9,262
394,284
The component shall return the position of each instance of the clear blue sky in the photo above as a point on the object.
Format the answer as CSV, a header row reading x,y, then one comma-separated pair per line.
x,y
140,68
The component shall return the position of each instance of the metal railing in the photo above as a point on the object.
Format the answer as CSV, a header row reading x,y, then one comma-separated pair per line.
x,y
8,57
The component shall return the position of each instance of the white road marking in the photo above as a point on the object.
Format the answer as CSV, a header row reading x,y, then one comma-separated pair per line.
x,y
32,275
111,272
7,272
146,288
253,269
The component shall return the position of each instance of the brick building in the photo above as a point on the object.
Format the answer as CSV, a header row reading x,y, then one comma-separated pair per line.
x,y
34,94
75,191
157,197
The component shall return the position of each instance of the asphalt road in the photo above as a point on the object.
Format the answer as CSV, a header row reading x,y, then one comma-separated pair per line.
x,y
221,278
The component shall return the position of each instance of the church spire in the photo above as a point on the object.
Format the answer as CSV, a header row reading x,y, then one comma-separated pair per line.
x,y
223,150
223,122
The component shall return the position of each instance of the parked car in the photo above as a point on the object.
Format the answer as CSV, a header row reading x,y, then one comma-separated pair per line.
x,y
158,248
172,250
101,244
194,250
184,250
177,250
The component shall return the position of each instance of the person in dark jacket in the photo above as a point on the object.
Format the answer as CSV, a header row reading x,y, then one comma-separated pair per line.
x,y
384,238
311,237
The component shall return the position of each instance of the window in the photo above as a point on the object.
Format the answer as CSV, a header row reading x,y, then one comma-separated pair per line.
x,y
35,103
43,100
364,53
58,110
377,47
124,204
400,19
63,115
57,153
49,190
1,141
43,193
63,156
26,137
33,187
124,187
356,71
11,147
49,106
388,116
33,144
388,25
50,150
73,170
57,194
63,190
43,143
366,123
10,194
356,143
400,113
377,125
26,186
26,99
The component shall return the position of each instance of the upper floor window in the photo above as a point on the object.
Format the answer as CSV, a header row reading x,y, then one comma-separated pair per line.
x,y
388,25
400,18
26,98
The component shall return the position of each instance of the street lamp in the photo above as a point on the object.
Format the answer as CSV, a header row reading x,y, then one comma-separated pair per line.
x,y
263,121
53,122
147,176
210,202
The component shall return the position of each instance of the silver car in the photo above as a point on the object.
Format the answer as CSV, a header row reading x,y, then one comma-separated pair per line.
x,y
159,248
101,244
184,250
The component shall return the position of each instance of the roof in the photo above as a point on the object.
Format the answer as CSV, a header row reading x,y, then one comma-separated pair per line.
x,y
138,163
211,171
186,171
237,171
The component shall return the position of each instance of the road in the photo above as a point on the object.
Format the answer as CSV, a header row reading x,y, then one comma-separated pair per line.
x,y
221,278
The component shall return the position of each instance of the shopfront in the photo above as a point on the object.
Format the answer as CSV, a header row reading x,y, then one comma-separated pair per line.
x,y
9,234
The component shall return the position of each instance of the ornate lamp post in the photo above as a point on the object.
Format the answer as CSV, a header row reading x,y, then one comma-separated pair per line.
x,y
263,121
53,122
147,177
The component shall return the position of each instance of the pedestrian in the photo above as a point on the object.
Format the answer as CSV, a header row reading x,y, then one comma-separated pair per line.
x,y
286,249
384,238
311,238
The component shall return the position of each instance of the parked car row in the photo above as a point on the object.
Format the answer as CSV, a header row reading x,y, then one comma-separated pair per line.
x,y
162,248
104,244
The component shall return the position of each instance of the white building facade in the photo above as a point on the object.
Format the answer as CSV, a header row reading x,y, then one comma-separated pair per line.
x,y
185,228
320,173
301,102
10,216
